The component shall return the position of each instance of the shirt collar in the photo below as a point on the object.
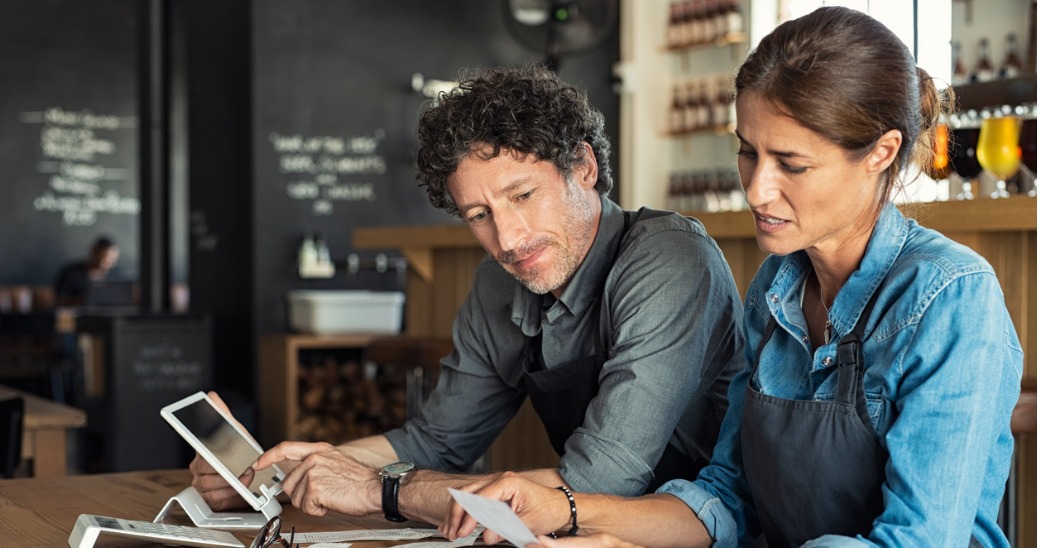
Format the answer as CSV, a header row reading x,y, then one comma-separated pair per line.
x,y
585,286
886,242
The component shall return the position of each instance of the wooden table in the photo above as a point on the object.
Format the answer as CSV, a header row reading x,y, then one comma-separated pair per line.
x,y
40,512
46,424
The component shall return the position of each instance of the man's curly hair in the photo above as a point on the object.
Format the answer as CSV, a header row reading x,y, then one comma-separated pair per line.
x,y
520,111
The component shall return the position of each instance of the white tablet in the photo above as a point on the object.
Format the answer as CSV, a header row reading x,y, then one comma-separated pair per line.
x,y
225,445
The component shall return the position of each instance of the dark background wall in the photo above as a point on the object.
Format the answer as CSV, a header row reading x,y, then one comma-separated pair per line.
x,y
68,134
258,88
333,72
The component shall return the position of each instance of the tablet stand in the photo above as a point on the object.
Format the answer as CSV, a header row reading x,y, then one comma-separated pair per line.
x,y
201,514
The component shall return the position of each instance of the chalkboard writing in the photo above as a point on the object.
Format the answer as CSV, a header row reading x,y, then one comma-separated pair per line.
x,y
164,367
68,134
202,235
314,166
75,148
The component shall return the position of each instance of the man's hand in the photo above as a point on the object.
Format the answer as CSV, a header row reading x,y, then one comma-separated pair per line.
x,y
217,493
326,478
543,509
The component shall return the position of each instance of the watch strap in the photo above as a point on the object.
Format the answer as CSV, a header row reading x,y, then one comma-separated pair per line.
x,y
391,488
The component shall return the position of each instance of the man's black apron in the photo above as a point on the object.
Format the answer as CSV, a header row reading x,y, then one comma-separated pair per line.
x,y
815,467
561,395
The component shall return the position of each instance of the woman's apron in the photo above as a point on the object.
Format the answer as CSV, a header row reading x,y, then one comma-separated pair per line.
x,y
815,467
561,395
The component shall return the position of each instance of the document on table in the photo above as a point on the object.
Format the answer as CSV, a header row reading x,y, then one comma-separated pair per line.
x,y
495,515
341,539
366,534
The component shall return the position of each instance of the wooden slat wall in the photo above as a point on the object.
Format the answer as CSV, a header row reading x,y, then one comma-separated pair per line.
x,y
1013,256
744,258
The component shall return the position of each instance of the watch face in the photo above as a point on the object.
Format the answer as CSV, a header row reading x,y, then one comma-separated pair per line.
x,y
397,468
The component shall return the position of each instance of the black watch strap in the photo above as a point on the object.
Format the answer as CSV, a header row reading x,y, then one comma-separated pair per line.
x,y
391,487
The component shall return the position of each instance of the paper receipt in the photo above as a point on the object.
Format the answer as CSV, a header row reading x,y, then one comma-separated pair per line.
x,y
495,515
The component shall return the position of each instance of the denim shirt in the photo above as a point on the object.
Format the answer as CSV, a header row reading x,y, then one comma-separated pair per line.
x,y
943,373
661,300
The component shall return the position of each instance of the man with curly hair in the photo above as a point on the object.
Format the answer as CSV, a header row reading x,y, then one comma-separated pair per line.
x,y
622,327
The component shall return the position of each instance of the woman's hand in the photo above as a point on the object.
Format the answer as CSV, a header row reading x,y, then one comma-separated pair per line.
x,y
543,509
601,540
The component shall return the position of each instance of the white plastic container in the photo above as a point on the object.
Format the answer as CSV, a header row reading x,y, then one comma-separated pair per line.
x,y
356,311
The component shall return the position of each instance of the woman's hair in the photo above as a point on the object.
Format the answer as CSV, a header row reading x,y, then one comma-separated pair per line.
x,y
521,111
847,77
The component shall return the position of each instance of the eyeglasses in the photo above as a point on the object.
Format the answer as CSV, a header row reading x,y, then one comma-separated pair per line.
x,y
270,535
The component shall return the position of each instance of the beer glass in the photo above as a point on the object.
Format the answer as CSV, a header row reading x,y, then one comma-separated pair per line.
x,y
998,150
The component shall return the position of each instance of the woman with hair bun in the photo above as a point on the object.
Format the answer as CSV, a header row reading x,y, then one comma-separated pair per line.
x,y
883,362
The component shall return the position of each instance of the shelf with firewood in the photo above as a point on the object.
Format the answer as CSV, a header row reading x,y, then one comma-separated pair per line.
x,y
318,387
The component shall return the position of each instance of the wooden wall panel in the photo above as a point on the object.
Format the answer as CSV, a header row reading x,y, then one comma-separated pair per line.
x,y
744,258
1013,257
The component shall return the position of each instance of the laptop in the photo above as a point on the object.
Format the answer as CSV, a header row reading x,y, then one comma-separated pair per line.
x,y
111,294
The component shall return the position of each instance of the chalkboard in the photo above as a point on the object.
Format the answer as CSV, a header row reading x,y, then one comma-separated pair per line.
x,y
335,114
68,134
148,362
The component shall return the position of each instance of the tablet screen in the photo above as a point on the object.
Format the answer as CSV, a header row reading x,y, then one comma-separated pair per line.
x,y
225,442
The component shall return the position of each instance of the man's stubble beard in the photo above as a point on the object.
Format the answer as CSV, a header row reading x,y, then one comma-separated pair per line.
x,y
568,258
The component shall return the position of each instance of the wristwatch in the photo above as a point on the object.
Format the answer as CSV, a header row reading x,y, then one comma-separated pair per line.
x,y
392,476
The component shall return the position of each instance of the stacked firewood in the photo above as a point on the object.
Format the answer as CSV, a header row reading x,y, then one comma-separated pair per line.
x,y
343,399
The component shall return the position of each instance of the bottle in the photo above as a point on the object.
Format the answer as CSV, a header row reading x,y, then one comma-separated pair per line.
x,y
692,108
324,257
984,67
712,201
960,74
672,200
716,20
307,257
677,111
1012,66
723,19
694,29
736,191
674,32
734,18
706,25
694,192
689,194
704,100
720,116
690,23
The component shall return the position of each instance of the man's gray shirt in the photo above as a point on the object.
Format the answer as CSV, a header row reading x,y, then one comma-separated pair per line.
x,y
669,317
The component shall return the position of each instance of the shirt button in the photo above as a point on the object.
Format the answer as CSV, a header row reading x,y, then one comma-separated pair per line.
x,y
828,361
805,338
774,298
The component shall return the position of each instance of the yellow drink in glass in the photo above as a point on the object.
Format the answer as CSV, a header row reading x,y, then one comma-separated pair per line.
x,y
998,149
